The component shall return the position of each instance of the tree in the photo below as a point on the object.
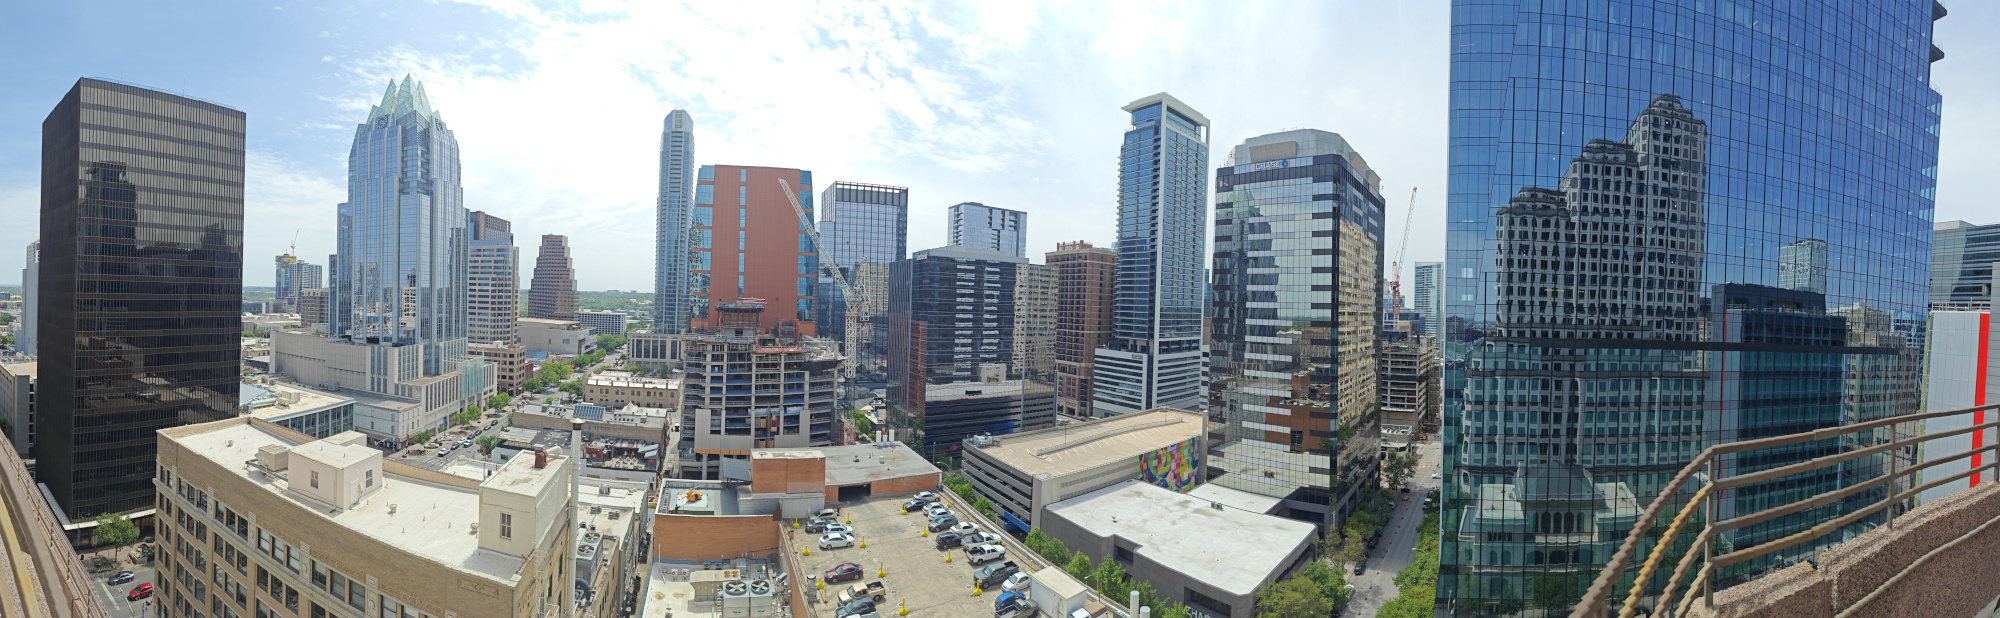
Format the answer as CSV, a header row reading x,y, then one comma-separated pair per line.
x,y
1554,590
113,529
1079,567
1398,467
499,401
572,387
1332,582
1296,597
422,436
1111,580
486,444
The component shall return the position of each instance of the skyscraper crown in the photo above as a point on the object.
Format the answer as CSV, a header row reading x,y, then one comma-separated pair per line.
x,y
404,98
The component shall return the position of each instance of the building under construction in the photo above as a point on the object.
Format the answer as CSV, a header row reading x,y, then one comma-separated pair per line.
x,y
1409,388
748,388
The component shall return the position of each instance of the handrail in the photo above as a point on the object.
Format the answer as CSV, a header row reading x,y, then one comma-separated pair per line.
x,y
1596,598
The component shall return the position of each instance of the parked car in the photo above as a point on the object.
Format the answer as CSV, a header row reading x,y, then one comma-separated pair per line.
x,y
843,572
873,591
1013,604
818,526
914,504
936,507
1017,581
444,451
983,554
927,496
120,578
827,514
943,522
830,541
139,592
1360,566
995,574
839,528
965,528
981,538
856,607
948,540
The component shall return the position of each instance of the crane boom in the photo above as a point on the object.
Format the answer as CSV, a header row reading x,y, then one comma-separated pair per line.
x,y
1396,267
855,302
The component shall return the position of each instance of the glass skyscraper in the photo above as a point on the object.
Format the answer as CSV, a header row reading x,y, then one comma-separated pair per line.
x,y
403,237
670,272
864,228
1672,224
1962,272
1155,357
1428,295
979,226
1298,273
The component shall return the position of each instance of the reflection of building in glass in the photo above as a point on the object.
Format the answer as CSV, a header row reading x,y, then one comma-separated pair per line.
x,y
1962,259
1035,321
865,229
1295,381
1428,294
1661,309
1802,266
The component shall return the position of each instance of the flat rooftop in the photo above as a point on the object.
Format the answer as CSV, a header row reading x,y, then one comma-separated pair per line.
x,y
866,463
1229,496
1083,446
26,368
299,400
432,521
1186,534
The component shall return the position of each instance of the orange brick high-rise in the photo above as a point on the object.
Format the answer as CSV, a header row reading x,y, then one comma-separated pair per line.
x,y
745,241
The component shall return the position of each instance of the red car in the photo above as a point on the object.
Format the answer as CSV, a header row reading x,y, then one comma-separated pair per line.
x,y
139,592
844,572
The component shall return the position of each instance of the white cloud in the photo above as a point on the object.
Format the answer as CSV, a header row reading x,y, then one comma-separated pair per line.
x,y
281,201
21,229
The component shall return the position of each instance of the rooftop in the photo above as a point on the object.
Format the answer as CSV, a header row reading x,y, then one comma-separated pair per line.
x,y
1161,523
1230,496
625,379
27,368
432,519
867,463
275,401
1083,446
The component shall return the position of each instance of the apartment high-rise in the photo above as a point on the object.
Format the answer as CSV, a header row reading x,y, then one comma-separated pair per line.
x,y
293,274
1155,357
138,317
865,228
400,274
552,291
979,226
31,276
1085,293
1294,341
670,248
493,289
1962,264
744,241
1617,232
1035,321
312,307
1428,295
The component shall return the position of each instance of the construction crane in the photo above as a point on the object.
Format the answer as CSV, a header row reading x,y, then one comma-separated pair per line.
x,y
855,302
1396,267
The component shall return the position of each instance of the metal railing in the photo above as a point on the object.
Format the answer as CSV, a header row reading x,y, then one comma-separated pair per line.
x,y
1595,600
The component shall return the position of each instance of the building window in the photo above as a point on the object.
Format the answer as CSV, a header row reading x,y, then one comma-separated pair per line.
x,y
742,175
506,525
315,479
368,478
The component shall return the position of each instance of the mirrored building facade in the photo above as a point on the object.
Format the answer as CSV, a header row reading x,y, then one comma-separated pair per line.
x,y
1672,224
865,229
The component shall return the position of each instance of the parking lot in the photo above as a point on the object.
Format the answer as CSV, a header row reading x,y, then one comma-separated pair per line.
x,y
916,572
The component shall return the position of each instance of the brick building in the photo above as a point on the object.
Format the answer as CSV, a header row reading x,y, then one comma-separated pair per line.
x,y
744,241
1085,291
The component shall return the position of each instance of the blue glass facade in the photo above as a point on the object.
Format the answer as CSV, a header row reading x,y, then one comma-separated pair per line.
x,y
673,218
865,228
402,235
1671,224
1154,359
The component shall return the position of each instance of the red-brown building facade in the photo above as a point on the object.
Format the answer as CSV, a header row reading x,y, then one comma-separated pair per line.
x,y
745,241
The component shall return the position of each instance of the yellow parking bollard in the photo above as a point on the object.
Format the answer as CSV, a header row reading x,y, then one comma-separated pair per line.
x,y
849,521
903,607
881,568
819,584
947,557
795,524
864,543
922,533
806,551
975,591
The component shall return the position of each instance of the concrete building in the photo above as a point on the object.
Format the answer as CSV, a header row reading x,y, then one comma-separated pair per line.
x,y
552,292
617,389
604,322
1290,372
312,309
509,362
17,403
1960,372
1408,388
674,214
865,228
122,194
24,329
1025,472
1035,321
747,388
951,314
1154,359
979,226
744,243
1086,278
315,413
652,347
1428,294
959,411
293,276
330,527
409,401
256,307
1962,259
493,287
557,337
1204,554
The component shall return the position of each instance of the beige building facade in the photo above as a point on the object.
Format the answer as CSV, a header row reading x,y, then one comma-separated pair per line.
x,y
617,389
1035,319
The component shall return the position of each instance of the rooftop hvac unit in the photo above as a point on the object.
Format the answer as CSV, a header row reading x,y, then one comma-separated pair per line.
x,y
736,599
762,598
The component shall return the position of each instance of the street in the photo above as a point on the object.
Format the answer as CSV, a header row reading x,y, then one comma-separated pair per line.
x,y
113,597
1376,586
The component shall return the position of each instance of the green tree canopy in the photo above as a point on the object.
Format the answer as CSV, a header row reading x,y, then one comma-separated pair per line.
x,y
1295,597
114,529
1398,467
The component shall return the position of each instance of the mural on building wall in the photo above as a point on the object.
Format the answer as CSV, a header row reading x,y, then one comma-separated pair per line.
x,y
1177,466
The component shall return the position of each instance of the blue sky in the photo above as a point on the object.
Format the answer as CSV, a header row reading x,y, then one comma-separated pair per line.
x,y
557,107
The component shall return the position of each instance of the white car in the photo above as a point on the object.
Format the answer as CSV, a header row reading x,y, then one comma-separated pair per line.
x,y
982,538
1436,475
984,553
935,508
838,529
965,528
1017,581
839,539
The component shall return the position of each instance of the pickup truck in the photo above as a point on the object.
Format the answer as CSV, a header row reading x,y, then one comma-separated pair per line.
x,y
1013,604
872,590
982,554
994,574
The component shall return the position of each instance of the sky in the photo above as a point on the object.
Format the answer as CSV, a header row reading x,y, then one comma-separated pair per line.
x,y
558,107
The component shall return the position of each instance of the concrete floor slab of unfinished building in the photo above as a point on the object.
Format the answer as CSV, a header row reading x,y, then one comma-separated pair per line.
x,y
916,570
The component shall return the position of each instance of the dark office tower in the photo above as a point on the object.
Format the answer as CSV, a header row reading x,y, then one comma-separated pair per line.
x,y
951,321
141,284
552,292
1298,275
865,228
1633,270
673,214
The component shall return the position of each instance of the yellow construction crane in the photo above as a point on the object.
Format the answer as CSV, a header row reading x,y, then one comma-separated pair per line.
x,y
856,303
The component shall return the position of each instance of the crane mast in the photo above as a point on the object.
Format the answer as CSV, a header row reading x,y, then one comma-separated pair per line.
x,y
1396,267
856,303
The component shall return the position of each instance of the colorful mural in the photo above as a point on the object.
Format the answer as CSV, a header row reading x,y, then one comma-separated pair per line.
x,y
1177,466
